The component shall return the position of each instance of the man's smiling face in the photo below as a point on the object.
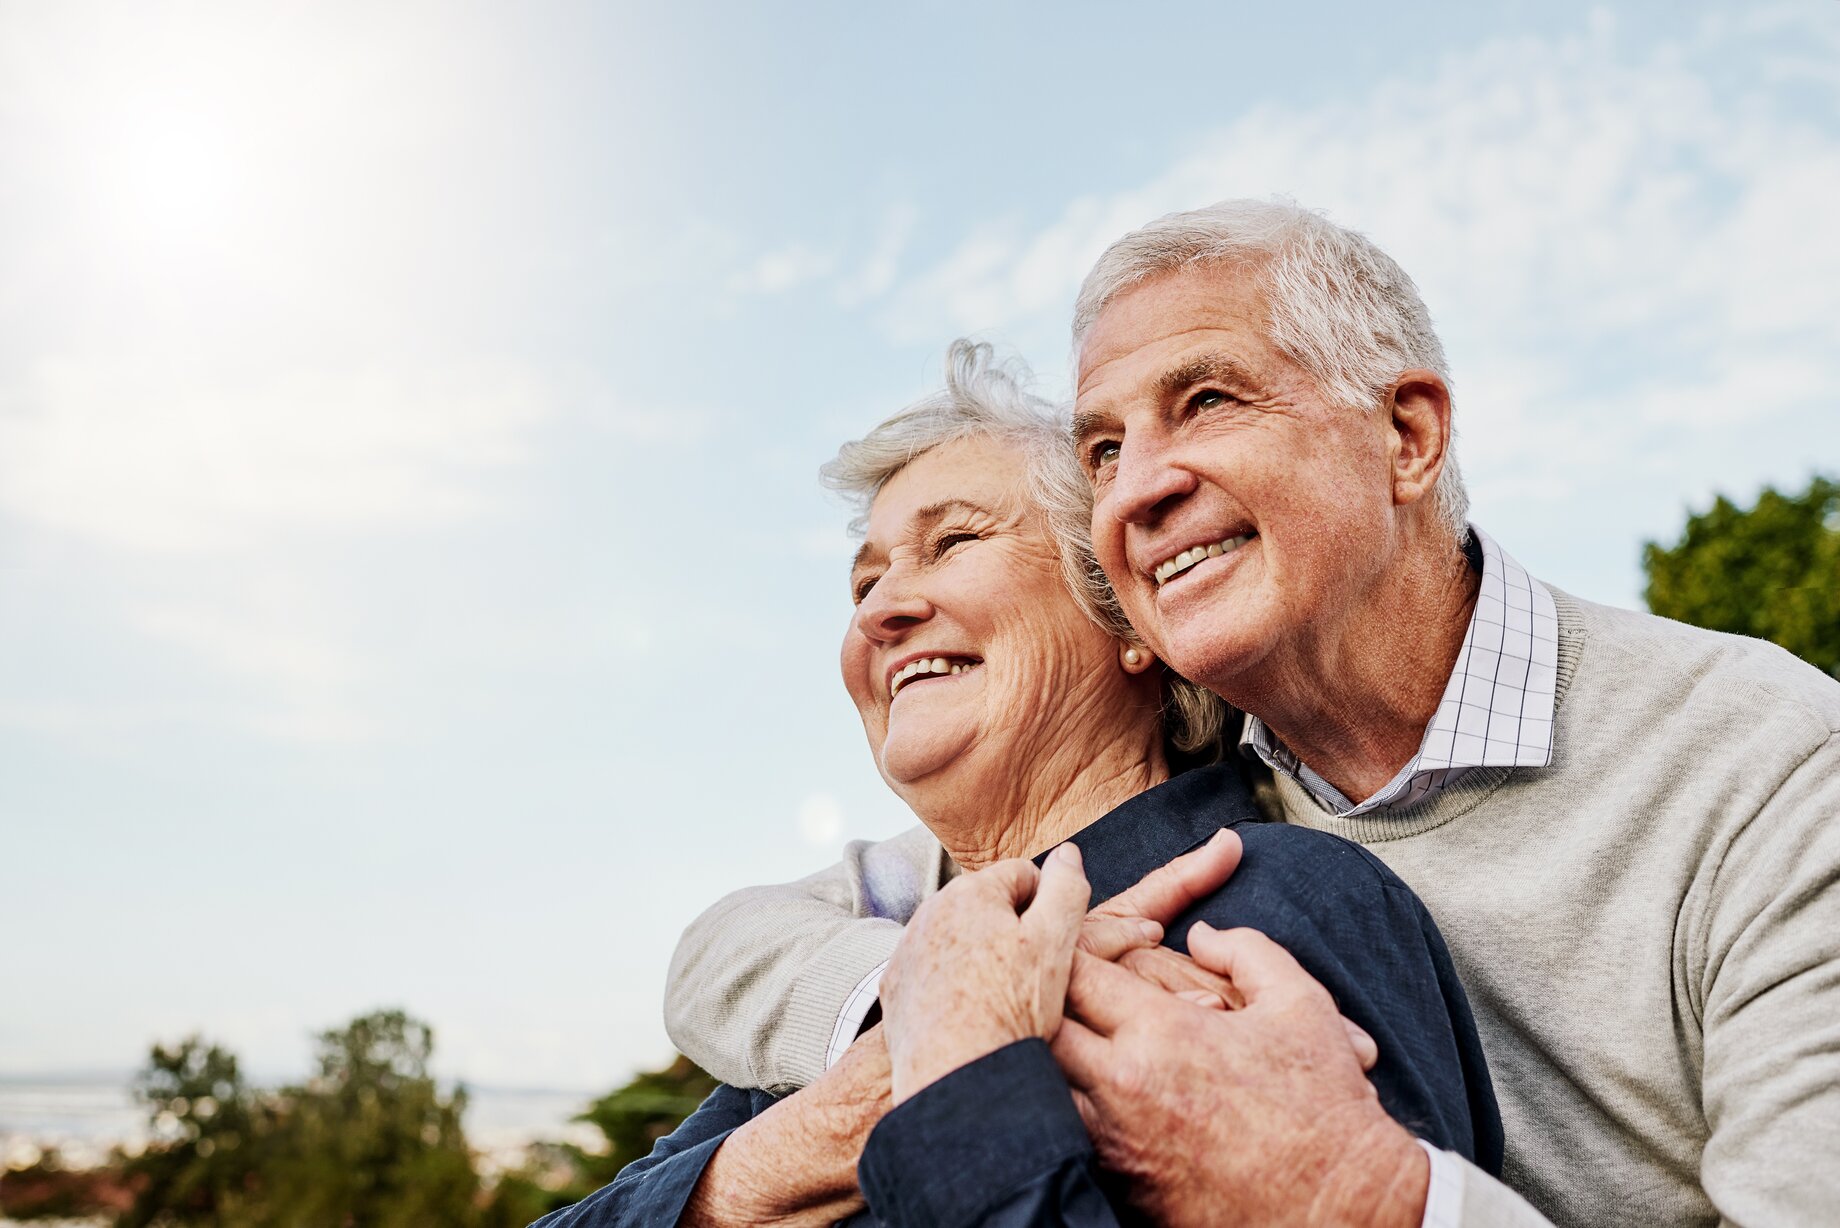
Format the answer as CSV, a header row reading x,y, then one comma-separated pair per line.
x,y
1242,517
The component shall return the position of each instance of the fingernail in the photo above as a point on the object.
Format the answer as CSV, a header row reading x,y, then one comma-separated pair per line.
x,y
1217,837
1150,930
1203,926
1200,997
1069,853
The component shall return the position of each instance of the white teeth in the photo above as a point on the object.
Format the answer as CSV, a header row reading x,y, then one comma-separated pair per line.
x,y
1170,568
925,666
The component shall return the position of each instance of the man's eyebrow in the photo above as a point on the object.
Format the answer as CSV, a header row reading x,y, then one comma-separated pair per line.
x,y
1204,369
1201,369
863,553
1089,422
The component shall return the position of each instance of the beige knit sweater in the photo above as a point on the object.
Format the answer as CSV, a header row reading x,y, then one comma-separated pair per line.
x,y
1649,929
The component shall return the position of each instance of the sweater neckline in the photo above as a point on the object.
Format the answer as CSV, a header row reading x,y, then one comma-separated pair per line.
x,y
1476,785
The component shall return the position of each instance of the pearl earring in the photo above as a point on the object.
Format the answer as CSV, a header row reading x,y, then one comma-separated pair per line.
x,y
1132,656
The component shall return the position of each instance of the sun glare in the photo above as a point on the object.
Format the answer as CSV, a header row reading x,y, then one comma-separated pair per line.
x,y
178,173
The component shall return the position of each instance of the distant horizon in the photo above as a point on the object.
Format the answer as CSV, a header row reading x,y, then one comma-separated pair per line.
x,y
126,1080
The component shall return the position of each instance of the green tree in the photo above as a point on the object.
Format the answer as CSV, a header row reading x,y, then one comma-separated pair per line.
x,y
633,1117
201,1166
369,1141
630,1119
1770,571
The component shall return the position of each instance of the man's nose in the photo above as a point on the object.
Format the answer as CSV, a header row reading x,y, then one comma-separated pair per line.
x,y
892,608
1148,482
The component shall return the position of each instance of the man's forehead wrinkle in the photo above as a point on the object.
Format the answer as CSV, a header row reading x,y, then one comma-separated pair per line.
x,y
1210,326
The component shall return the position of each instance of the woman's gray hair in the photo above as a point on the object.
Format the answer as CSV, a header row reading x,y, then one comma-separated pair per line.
x,y
1339,306
986,396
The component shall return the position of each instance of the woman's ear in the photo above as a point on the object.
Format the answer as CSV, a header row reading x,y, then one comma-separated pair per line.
x,y
1135,658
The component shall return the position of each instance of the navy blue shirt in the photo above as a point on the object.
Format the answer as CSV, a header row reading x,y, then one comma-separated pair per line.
x,y
999,1143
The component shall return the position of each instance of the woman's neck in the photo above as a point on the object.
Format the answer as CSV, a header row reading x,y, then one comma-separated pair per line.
x,y
980,820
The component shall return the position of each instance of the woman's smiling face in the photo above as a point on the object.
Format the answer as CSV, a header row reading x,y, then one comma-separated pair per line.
x,y
966,646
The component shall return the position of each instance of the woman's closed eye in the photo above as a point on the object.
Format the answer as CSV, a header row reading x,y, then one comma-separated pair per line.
x,y
946,541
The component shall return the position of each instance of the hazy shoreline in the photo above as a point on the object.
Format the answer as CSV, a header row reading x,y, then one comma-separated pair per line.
x,y
84,1119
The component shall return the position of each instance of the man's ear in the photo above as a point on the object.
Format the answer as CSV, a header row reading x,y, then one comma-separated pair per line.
x,y
1418,406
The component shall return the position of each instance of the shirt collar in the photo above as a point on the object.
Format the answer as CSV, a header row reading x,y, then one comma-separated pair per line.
x,y
1497,709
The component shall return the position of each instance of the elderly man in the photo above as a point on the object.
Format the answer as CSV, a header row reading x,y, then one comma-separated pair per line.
x,y
1625,827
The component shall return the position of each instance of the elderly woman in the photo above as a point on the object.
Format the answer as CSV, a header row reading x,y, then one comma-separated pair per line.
x,y
1006,701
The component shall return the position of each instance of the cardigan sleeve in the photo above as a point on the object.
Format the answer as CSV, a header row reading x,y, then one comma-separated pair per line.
x,y
759,981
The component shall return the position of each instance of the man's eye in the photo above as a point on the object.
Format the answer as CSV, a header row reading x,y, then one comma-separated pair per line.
x,y
1105,453
1207,398
861,591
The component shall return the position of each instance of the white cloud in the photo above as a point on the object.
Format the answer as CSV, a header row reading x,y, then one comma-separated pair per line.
x,y
784,269
851,280
1618,241
878,270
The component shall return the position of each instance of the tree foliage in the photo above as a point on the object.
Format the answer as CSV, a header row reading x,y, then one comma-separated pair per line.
x,y
369,1141
1770,571
630,1119
633,1117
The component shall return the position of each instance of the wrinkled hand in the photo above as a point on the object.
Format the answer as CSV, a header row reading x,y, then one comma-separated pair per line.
x,y
794,1166
1136,918
1127,928
1271,1094
983,963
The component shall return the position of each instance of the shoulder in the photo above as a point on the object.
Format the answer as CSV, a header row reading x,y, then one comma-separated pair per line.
x,y
1306,858
1656,664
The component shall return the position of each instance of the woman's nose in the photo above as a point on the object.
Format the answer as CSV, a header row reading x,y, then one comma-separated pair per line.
x,y
890,610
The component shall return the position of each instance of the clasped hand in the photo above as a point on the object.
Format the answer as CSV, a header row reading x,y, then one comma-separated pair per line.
x,y
1233,1053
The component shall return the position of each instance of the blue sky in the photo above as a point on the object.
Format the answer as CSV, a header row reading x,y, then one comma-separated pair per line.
x,y
417,585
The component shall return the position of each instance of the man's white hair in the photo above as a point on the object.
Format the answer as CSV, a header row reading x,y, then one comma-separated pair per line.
x,y
1339,306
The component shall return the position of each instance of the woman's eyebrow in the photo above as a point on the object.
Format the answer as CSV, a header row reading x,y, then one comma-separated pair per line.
x,y
923,520
933,513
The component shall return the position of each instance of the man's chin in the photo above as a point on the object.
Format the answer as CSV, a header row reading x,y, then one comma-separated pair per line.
x,y
1223,660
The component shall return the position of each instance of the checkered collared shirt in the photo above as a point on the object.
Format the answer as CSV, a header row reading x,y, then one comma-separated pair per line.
x,y
1497,709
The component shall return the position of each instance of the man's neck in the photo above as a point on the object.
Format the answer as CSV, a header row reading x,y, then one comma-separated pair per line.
x,y
1355,707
